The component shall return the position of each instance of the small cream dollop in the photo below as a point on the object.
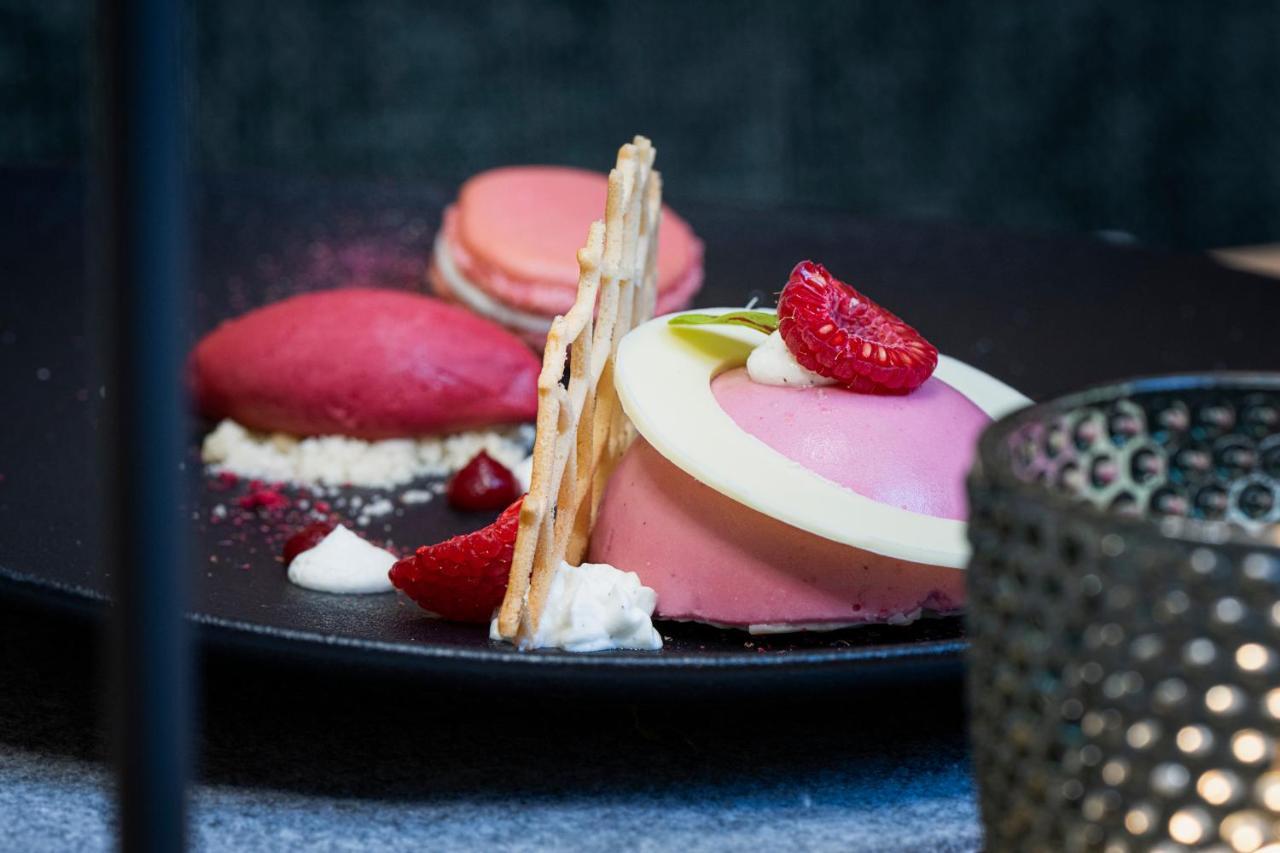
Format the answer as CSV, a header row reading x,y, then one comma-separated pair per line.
x,y
343,562
594,607
772,363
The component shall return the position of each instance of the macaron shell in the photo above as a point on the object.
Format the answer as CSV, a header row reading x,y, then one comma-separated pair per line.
x,y
516,232
363,362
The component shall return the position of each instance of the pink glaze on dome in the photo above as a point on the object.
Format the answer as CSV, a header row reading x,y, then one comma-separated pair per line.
x,y
911,451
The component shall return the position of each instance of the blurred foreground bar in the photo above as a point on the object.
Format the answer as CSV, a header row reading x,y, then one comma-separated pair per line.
x,y
144,264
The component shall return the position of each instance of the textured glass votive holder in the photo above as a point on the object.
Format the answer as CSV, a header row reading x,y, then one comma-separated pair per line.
x,y
1124,619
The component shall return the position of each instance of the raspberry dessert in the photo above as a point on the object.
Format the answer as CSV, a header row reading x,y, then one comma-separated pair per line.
x,y
807,480
797,469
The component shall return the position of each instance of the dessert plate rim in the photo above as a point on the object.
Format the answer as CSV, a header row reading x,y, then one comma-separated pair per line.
x,y
886,662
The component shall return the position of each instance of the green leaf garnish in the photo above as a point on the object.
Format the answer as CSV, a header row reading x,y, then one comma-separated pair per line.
x,y
764,322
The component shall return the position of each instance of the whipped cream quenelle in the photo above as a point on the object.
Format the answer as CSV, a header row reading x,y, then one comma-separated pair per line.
x,y
594,607
343,563
772,363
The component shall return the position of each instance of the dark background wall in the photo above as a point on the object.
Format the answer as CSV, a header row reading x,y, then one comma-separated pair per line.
x,y
1162,119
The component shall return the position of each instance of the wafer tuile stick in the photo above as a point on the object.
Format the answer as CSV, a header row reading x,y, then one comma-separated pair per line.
x,y
582,430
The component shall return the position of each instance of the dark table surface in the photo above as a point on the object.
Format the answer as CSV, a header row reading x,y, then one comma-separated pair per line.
x,y
317,759
313,756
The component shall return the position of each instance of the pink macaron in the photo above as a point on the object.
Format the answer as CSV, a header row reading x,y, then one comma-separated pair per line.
x,y
508,246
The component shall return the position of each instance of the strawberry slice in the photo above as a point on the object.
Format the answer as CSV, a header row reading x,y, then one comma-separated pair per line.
x,y
463,578
837,332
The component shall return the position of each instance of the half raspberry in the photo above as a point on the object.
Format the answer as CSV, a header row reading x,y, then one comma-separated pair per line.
x,y
463,578
837,332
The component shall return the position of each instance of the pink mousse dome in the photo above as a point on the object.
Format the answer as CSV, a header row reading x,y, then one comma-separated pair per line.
x,y
712,559
910,451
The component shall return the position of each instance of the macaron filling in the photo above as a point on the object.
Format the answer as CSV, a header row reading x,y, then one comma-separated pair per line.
x,y
451,283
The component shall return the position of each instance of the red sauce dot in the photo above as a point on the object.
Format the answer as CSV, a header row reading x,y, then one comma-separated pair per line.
x,y
484,483
263,499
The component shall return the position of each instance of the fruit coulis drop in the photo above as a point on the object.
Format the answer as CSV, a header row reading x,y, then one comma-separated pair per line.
x,y
484,483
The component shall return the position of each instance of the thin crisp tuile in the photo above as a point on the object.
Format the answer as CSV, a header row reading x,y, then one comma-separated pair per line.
x,y
582,430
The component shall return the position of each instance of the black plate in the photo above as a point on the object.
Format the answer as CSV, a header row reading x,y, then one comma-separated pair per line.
x,y
1045,314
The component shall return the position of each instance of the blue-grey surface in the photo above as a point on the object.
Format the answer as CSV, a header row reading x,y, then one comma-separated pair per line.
x,y
1155,118
300,758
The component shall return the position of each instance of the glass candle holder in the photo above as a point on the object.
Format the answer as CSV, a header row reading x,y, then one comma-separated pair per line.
x,y
1124,616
